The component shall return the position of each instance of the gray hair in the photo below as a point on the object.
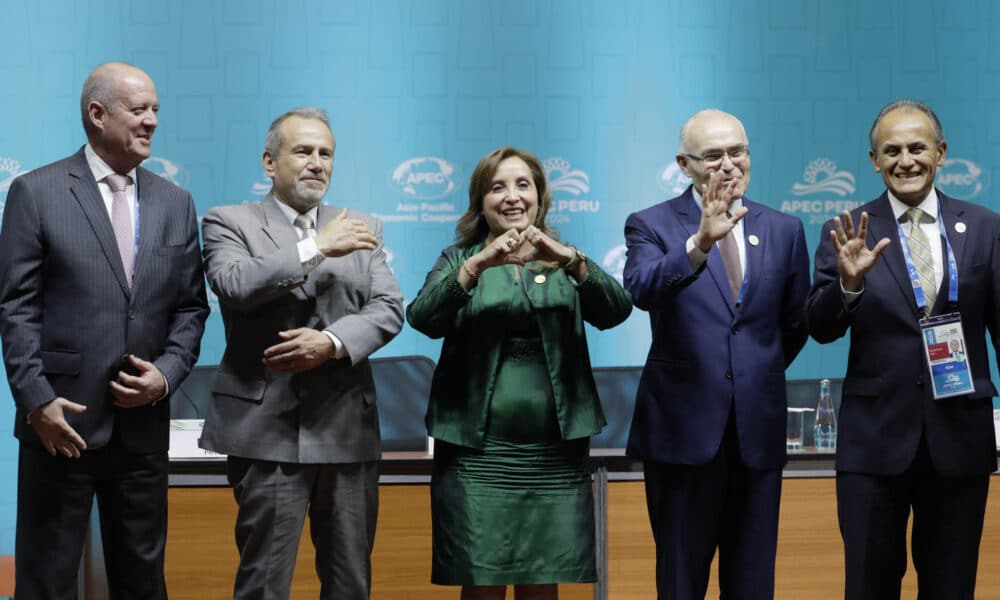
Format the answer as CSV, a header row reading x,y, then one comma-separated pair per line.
x,y
906,103
687,126
272,141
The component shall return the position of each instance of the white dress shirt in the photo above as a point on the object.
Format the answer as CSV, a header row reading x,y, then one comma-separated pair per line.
x,y
100,170
932,230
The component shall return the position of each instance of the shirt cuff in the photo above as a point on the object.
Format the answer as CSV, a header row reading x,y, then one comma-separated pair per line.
x,y
850,297
695,256
339,351
309,254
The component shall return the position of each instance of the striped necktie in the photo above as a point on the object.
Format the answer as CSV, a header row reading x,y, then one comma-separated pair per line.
x,y
920,253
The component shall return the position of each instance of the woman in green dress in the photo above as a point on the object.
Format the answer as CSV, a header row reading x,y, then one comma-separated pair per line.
x,y
513,401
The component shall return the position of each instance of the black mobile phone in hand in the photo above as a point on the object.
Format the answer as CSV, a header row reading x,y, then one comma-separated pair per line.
x,y
125,366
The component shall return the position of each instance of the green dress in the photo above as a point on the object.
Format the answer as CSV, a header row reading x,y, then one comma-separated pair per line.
x,y
520,510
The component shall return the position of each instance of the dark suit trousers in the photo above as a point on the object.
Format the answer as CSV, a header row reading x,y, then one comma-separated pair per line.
x,y
694,509
54,498
948,517
273,498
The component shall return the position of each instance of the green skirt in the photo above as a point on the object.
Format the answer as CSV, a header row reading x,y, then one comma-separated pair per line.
x,y
517,511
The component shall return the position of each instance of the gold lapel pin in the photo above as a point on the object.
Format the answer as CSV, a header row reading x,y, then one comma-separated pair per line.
x,y
754,240
539,278
960,227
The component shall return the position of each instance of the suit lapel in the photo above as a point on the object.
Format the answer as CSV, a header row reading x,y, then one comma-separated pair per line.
x,y
754,224
951,214
283,235
690,218
882,224
84,189
150,220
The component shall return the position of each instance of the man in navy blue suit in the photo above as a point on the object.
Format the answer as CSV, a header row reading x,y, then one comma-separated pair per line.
x,y
724,280
102,307
900,449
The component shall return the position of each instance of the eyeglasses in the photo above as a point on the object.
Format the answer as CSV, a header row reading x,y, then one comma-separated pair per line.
x,y
716,156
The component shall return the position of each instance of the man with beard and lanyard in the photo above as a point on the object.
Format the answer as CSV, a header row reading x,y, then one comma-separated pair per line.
x,y
306,295
916,425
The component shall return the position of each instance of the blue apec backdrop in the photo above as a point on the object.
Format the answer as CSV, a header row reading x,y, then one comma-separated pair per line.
x,y
419,90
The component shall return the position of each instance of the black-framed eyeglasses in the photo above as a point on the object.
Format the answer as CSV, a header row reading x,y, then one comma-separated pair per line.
x,y
716,156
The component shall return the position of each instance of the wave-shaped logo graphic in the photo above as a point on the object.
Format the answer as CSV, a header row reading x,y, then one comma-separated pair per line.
x,y
425,177
562,177
389,257
962,178
673,180
614,262
166,169
10,169
822,177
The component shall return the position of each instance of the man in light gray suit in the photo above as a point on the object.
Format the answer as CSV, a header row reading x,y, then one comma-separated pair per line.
x,y
306,296
102,307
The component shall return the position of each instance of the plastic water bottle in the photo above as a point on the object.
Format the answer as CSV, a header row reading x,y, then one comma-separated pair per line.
x,y
826,419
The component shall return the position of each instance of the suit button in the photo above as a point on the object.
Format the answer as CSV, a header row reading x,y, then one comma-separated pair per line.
x,y
131,315
729,373
735,329
920,380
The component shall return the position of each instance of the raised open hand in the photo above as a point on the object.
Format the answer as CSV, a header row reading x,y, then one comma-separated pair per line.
x,y
854,258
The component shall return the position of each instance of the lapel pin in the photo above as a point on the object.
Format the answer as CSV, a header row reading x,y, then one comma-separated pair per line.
x,y
754,240
539,278
960,227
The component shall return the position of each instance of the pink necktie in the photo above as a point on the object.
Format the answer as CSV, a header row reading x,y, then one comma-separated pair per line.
x,y
121,222
731,259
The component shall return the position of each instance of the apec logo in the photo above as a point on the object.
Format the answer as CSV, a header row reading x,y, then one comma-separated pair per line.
x,y
10,169
822,193
425,177
822,177
166,169
673,180
575,182
962,178
614,262
562,178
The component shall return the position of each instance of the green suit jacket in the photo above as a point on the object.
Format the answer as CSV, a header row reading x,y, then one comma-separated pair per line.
x,y
464,379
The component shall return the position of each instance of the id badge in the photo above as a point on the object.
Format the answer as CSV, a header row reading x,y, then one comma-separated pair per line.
x,y
947,358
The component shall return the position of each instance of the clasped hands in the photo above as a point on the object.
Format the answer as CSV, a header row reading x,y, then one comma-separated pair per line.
x,y
146,386
300,350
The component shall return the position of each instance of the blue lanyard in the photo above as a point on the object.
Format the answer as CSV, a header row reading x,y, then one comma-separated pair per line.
x,y
136,220
918,291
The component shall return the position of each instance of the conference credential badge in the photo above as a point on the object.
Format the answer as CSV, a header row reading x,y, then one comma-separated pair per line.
x,y
947,359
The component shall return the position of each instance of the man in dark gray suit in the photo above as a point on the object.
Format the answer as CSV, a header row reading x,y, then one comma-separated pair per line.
x,y
102,307
306,296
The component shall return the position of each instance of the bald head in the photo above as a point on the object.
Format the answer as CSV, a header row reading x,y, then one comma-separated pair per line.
x,y
705,120
713,141
119,107
102,86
